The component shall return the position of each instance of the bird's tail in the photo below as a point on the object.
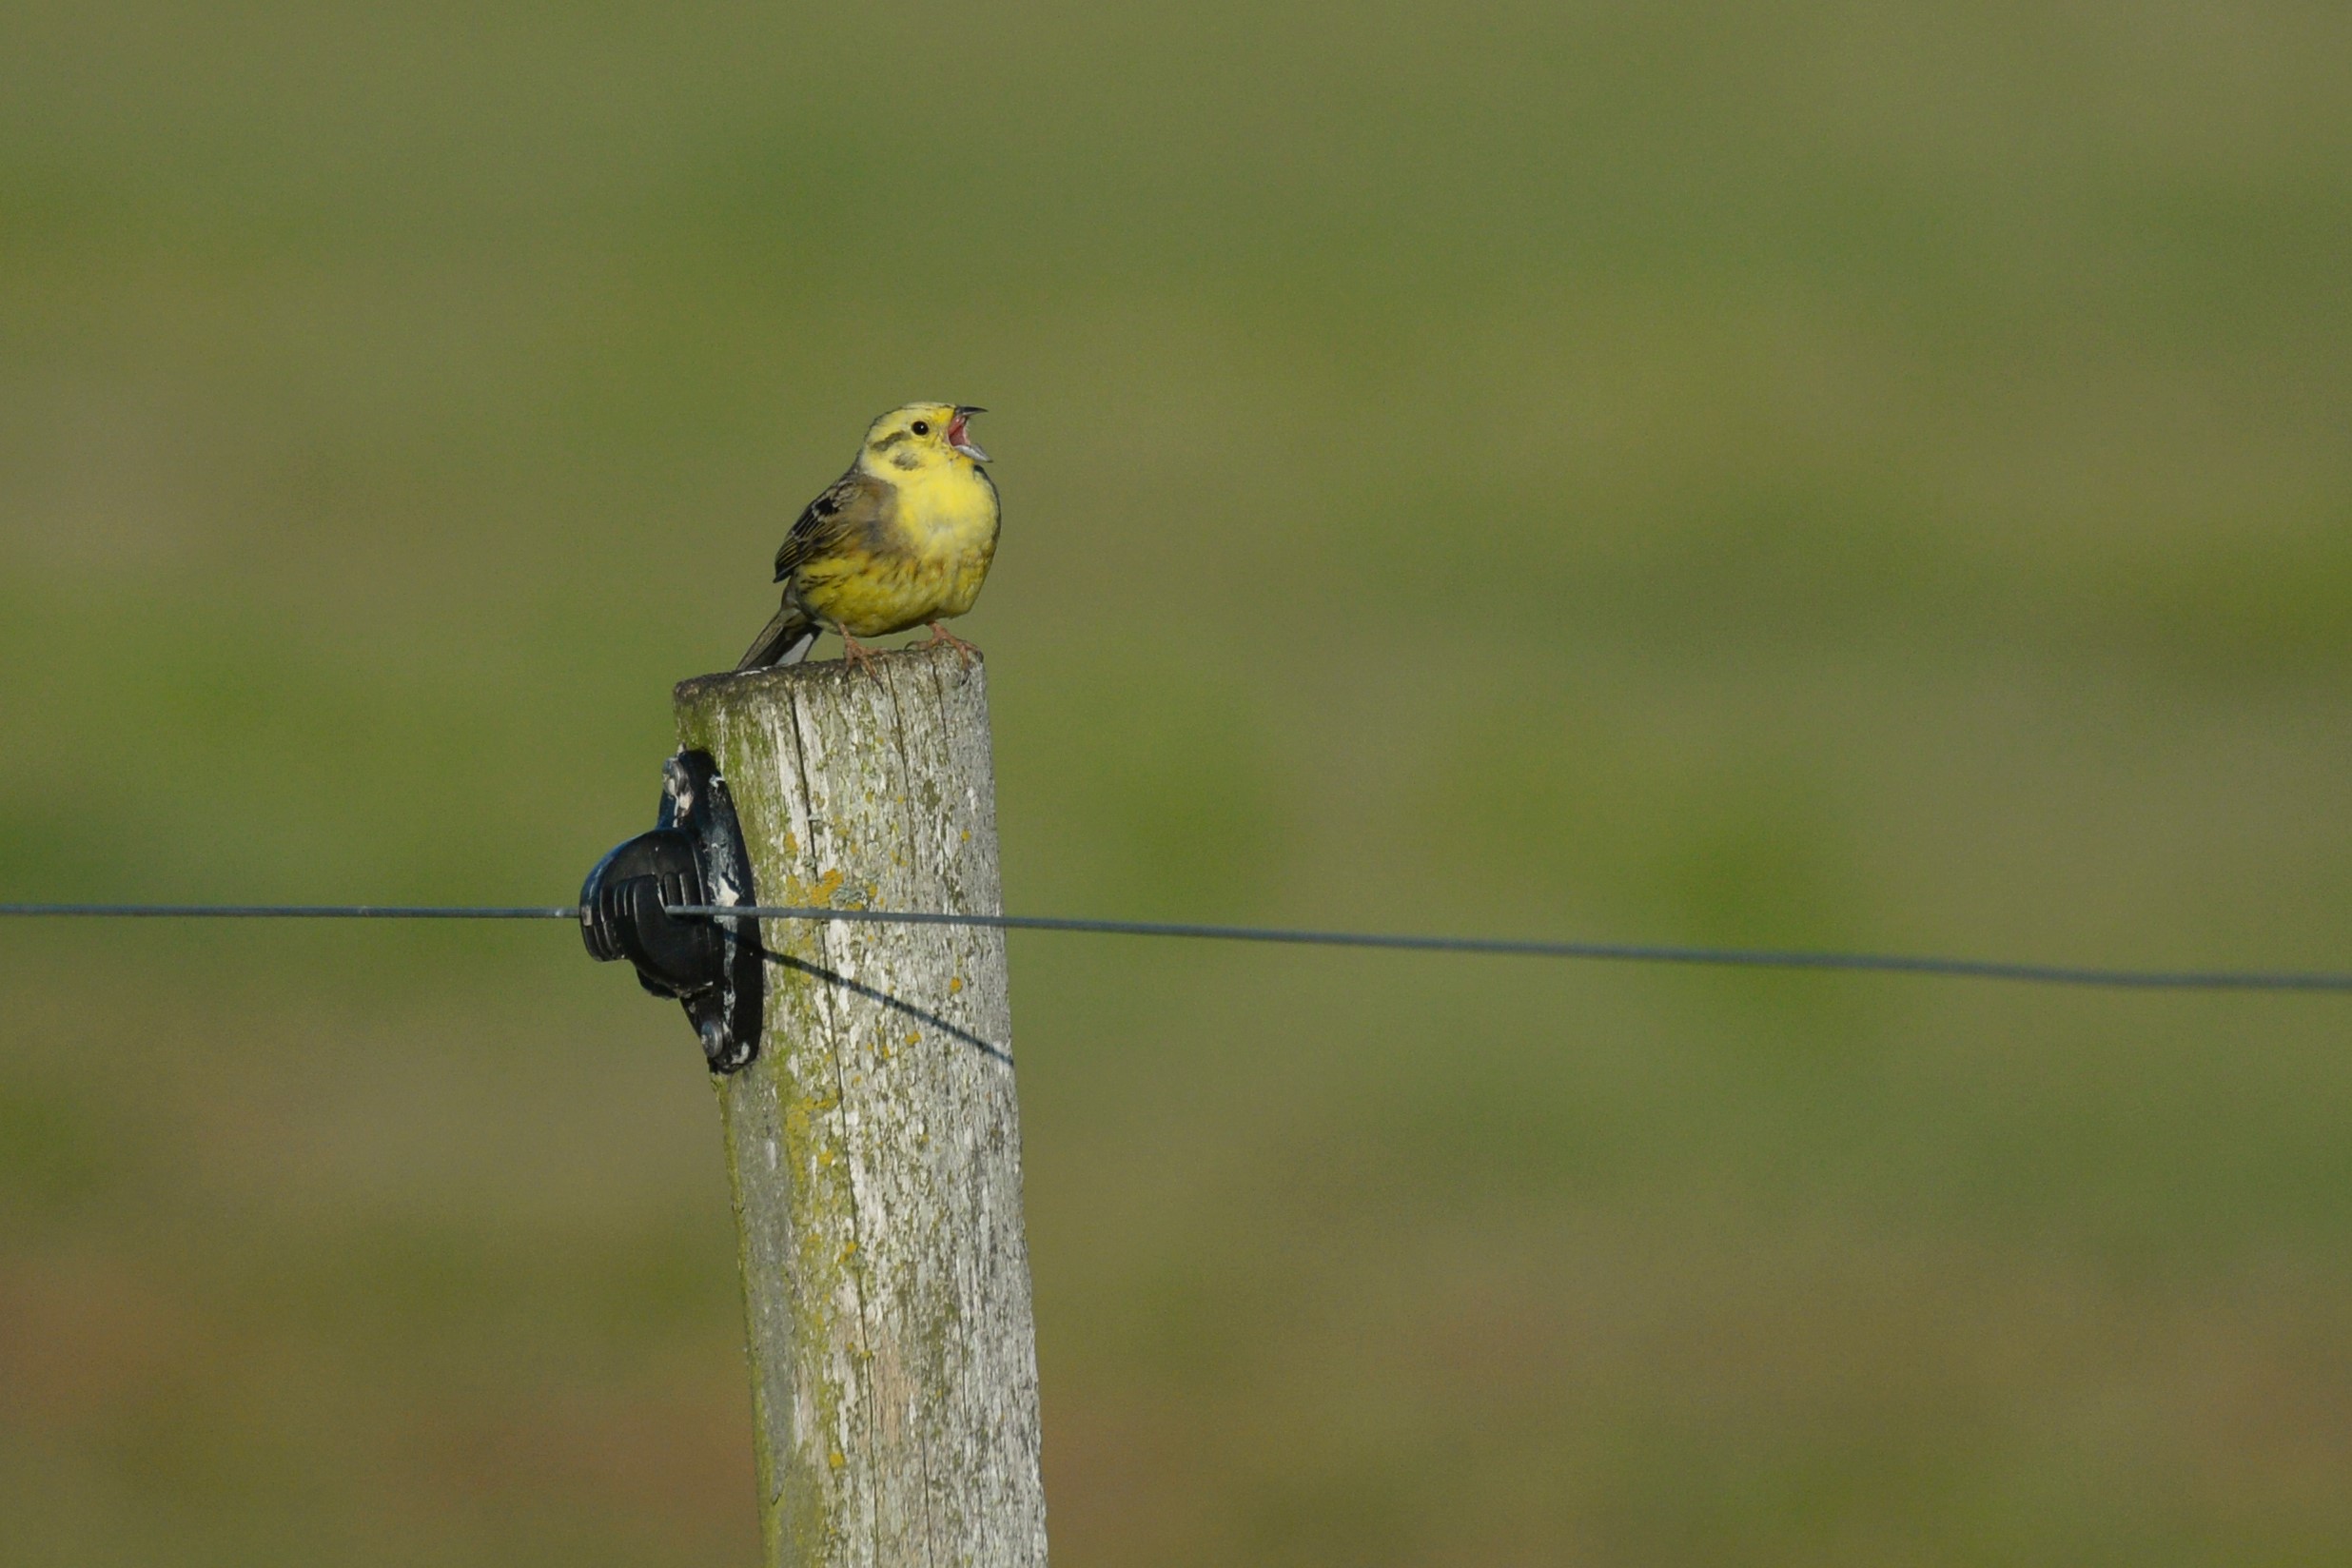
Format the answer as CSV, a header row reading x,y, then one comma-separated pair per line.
x,y
785,640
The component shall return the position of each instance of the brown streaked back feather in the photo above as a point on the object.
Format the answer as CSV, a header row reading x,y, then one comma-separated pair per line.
x,y
850,509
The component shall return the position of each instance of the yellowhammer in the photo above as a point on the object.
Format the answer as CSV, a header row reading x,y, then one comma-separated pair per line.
x,y
904,538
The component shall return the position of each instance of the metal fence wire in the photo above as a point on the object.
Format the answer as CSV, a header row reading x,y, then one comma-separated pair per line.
x,y
1634,953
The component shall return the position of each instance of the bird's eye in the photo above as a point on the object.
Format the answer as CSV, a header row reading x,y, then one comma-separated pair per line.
x,y
921,427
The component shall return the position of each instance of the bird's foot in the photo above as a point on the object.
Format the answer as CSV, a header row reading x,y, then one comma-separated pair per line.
x,y
964,652
855,653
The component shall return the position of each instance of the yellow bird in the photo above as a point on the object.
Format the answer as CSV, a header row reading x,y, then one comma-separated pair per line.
x,y
904,538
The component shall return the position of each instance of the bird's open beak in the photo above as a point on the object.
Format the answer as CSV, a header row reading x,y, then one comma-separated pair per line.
x,y
961,439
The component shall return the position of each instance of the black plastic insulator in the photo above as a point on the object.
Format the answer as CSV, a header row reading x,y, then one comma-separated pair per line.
x,y
695,856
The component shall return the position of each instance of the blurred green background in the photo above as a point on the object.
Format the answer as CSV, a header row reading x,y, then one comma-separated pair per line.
x,y
1829,474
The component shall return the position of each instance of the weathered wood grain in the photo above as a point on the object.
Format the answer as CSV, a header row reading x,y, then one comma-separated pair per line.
x,y
875,1145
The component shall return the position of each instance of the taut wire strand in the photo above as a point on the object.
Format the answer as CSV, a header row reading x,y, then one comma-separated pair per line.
x,y
299,912
1882,963
1634,953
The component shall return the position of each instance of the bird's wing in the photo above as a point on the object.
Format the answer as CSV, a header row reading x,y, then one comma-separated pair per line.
x,y
850,506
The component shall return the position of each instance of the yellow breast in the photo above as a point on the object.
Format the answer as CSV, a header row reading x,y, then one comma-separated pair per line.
x,y
928,565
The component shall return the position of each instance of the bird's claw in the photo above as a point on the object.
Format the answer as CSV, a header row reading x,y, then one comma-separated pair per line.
x,y
964,652
856,655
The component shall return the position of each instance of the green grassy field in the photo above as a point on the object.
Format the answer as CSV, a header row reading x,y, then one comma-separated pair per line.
x,y
1867,476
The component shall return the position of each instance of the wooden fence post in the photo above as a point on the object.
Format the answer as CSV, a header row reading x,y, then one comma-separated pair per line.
x,y
874,1143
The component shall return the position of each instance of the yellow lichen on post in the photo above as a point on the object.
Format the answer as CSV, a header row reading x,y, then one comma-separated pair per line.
x,y
874,1143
